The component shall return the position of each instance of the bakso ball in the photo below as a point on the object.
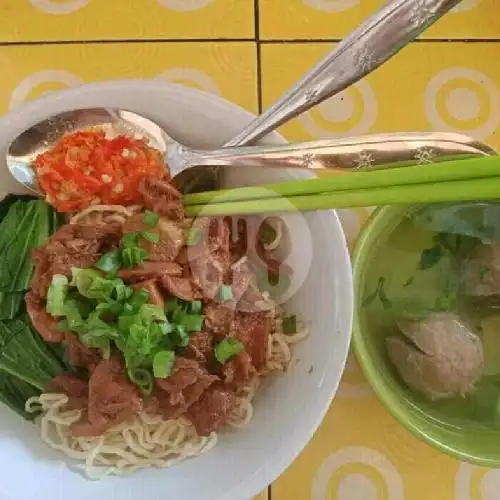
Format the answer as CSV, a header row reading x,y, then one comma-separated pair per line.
x,y
481,271
439,357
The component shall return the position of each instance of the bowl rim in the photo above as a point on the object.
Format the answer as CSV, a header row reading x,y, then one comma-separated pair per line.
x,y
30,112
387,397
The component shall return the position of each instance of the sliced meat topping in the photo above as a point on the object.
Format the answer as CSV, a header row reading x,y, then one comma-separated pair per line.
x,y
219,318
200,347
212,411
184,387
81,356
171,237
112,399
182,288
155,295
238,371
252,330
150,270
75,388
161,197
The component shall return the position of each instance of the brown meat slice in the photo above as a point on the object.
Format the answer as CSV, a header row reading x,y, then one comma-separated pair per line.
x,y
212,411
42,321
161,197
171,237
75,388
112,399
252,330
155,295
208,272
219,317
150,270
238,371
182,288
184,387
81,356
200,347
73,245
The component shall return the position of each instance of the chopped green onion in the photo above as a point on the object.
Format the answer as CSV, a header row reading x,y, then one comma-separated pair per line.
x,y
143,379
227,348
163,364
74,320
138,299
58,290
150,218
193,322
289,324
130,240
225,293
152,312
179,336
91,284
125,321
151,236
171,304
121,290
109,262
195,307
193,236
134,256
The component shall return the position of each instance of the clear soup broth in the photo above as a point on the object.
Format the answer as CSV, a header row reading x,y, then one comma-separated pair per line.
x,y
431,298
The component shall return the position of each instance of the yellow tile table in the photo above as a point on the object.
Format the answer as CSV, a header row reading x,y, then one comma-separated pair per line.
x,y
250,51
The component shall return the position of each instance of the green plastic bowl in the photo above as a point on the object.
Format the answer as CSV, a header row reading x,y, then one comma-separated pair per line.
x,y
476,444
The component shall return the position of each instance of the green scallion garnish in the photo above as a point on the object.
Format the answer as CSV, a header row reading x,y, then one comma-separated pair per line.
x,y
195,307
150,218
226,349
151,236
225,293
193,236
134,256
109,262
163,364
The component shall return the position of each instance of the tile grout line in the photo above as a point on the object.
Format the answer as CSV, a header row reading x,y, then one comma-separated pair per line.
x,y
258,53
256,40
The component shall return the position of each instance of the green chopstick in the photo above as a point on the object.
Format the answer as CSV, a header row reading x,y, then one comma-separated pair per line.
x,y
451,191
450,170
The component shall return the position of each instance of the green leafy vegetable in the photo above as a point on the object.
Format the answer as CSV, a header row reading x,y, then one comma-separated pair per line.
x,y
23,354
226,349
150,218
58,290
163,364
26,226
11,304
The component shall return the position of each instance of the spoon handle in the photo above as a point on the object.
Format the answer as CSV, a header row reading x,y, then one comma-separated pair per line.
x,y
348,153
380,37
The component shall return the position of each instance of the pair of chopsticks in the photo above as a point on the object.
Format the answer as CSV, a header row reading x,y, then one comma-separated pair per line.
x,y
471,179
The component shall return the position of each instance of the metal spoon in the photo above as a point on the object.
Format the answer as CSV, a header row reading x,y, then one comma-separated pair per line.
x,y
352,153
366,48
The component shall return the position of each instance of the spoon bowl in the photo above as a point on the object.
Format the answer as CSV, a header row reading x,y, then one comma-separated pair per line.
x,y
45,134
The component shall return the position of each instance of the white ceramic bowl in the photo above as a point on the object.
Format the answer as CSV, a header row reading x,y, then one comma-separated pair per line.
x,y
287,410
